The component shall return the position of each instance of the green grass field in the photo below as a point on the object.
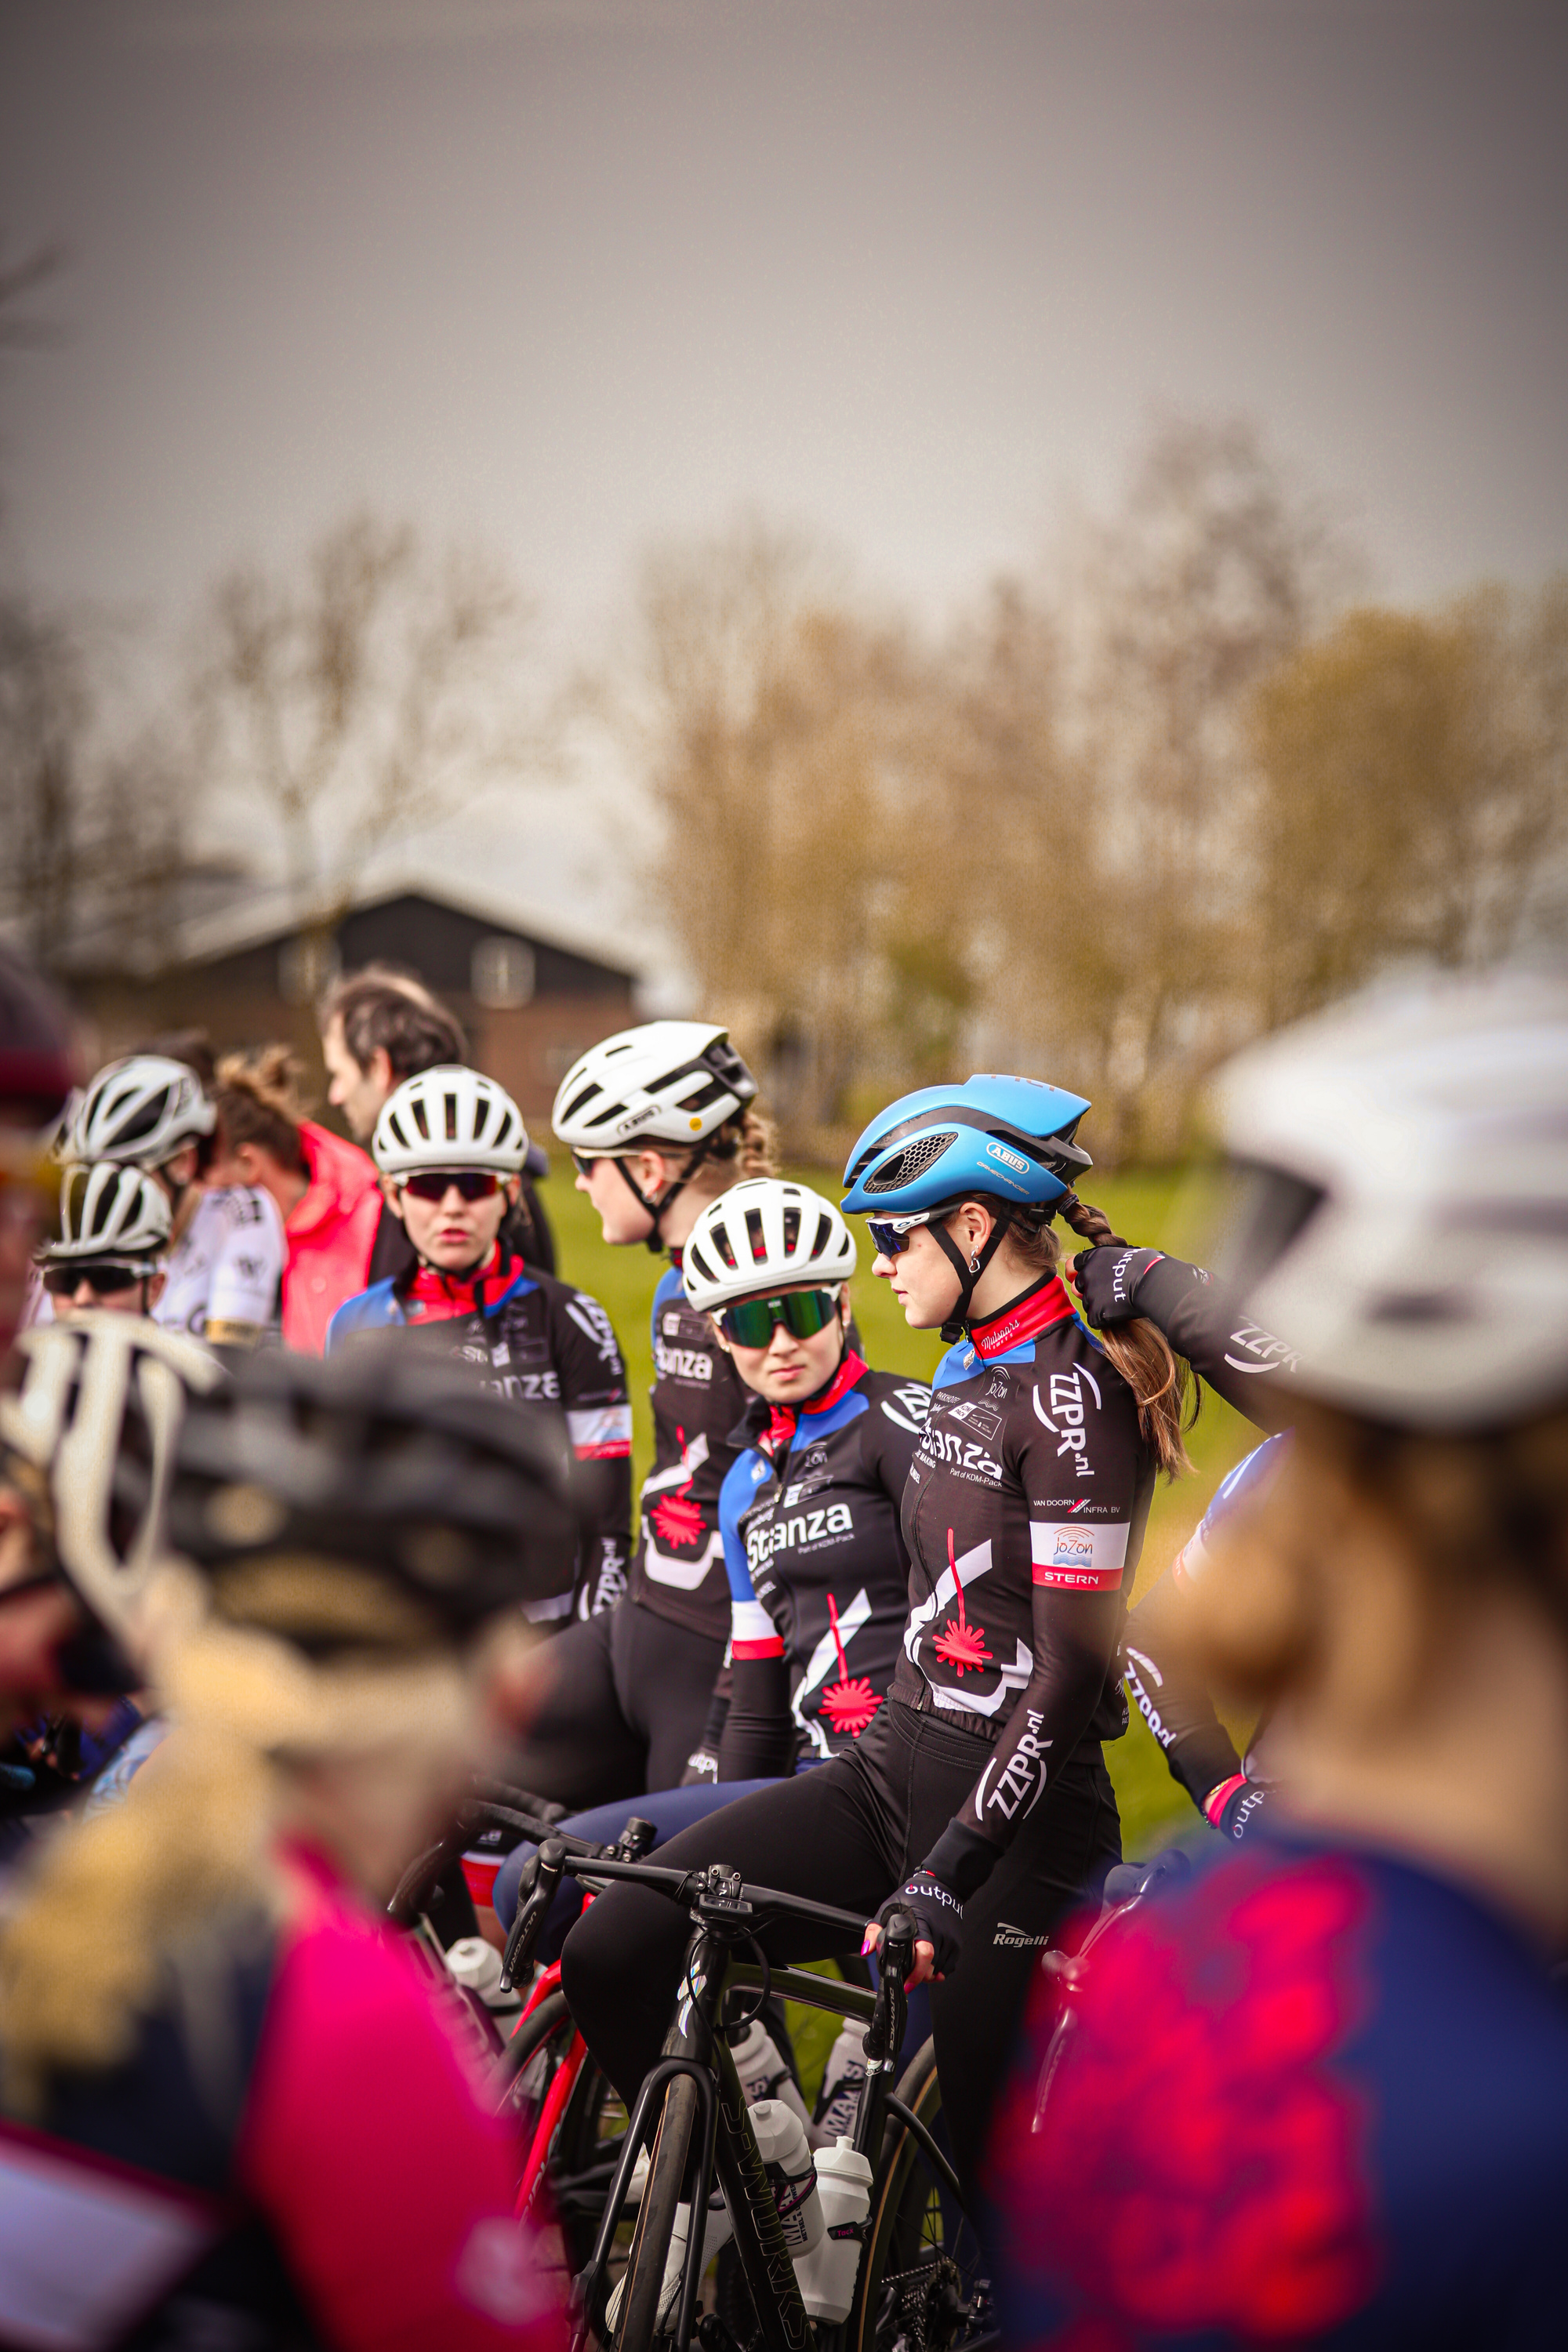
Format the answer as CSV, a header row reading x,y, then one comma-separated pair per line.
x,y
1148,1206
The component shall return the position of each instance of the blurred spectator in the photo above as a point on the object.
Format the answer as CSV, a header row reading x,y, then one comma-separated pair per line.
x,y
1320,2094
378,1027
326,1191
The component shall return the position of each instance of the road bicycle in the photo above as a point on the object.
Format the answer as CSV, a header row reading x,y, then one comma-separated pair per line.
x,y
919,2282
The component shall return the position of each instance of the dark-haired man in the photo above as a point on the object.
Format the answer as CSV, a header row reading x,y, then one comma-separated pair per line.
x,y
379,1026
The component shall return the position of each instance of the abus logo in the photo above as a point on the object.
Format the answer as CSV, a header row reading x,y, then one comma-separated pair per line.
x,y
1014,1160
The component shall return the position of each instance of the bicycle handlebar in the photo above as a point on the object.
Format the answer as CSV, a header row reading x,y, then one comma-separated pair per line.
x,y
722,1890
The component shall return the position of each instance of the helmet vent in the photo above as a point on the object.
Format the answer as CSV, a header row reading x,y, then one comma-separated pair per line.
x,y
823,1236
755,1234
579,1102
792,1230
911,1162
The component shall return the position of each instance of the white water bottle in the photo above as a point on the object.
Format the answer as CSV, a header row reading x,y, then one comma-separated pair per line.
x,y
477,1966
843,2079
827,2273
764,2074
781,2139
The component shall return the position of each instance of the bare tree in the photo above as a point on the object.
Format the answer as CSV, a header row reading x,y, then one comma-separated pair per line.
x,y
356,703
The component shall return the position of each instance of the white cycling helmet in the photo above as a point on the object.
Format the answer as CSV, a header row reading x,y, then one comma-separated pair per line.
x,y
667,1082
449,1117
98,1416
760,1234
111,1212
140,1111
1407,1229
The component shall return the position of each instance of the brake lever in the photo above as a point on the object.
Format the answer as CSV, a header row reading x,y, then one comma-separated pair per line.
x,y
525,1927
895,1962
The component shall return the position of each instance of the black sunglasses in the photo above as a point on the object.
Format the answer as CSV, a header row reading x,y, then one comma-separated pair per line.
x,y
106,1278
803,1313
434,1183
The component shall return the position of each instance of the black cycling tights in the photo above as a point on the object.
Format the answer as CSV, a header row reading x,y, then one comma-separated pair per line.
x,y
628,1700
846,1833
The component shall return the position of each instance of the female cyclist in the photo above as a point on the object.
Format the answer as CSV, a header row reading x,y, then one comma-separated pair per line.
x,y
450,1145
238,2116
113,1238
658,1121
817,1571
978,1795
1321,2092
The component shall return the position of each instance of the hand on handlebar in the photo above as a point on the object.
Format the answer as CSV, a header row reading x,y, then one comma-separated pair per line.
x,y
938,1915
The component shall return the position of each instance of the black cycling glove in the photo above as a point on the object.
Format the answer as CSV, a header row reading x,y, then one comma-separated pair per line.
x,y
938,1916
1235,1805
1107,1280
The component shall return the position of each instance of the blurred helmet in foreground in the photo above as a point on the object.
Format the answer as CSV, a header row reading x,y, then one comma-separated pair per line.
x,y
88,1436
1404,1227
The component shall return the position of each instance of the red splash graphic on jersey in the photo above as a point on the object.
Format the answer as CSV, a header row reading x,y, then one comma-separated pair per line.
x,y
676,1519
1201,2169
850,1701
961,1644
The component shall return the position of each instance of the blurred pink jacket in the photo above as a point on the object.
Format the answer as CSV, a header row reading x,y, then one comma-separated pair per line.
x,y
330,1234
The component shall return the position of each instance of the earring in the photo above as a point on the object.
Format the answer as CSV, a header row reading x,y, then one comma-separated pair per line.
x,y
975,1265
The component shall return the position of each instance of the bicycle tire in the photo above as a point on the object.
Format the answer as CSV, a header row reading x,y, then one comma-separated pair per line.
x,y
643,2282
535,2030
913,2224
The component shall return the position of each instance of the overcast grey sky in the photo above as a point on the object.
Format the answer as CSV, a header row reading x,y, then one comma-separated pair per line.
x,y
573,274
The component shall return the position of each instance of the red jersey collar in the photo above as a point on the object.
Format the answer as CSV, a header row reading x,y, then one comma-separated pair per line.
x,y
436,1296
783,1418
1038,1308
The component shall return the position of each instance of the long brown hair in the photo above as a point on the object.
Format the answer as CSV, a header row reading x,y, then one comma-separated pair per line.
x,y
1158,1378
258,1102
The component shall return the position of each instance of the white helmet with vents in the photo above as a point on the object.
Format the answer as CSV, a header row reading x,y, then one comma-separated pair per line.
x,y
760,1236
449,1117
111,1212
97,1417
1404,1225
665,1082
140,1111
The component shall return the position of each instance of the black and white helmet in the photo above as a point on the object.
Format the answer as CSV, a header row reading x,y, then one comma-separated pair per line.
x,y
760,1236
94,1424
140,1111
111,1212
668,1082
1404,1226
450,1117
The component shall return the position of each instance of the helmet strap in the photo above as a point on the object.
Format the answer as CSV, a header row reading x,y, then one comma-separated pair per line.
x,y
655,1207
968,1270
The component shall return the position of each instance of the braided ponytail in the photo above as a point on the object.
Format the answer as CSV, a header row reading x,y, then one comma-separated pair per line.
x,y
1145,1359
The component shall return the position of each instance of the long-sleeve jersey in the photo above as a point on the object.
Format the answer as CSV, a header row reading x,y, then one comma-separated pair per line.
x,y
549,1349
697,1396
817,1568
1024,1517
293,2157
222,1280
1239,1359
1316,2095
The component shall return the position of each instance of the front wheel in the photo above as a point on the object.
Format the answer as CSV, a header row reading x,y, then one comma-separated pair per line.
x,y
922,2276
643,2286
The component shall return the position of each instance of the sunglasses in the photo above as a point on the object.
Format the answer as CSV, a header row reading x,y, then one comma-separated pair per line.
x,y
890,1235
434,1183
803,1313
585,1163
104,1279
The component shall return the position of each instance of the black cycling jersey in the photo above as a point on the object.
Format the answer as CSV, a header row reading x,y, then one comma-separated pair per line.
x,y
818,1572
1236,1357
1024,1517
678,1570
547,1347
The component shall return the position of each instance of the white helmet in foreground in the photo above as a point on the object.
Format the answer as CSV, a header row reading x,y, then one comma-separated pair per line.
x,y
665,1082
759,1236
449,1117
140,1111
1406,1233
111,1212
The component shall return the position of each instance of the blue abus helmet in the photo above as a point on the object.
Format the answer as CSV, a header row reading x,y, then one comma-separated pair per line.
x,y
1010,1139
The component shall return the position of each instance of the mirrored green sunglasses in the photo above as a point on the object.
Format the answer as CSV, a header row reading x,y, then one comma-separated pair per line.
x,y
751,1323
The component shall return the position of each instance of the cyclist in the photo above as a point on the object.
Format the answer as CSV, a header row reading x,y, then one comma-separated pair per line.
x,y
323,1190
378,1026
238,2116
978,1797
809,1510
114,1238
221,1277
659,1122
1342,2115
450,1144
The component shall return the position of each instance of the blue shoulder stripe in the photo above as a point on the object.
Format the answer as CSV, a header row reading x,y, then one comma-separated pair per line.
x,y
749,1471
370,1310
